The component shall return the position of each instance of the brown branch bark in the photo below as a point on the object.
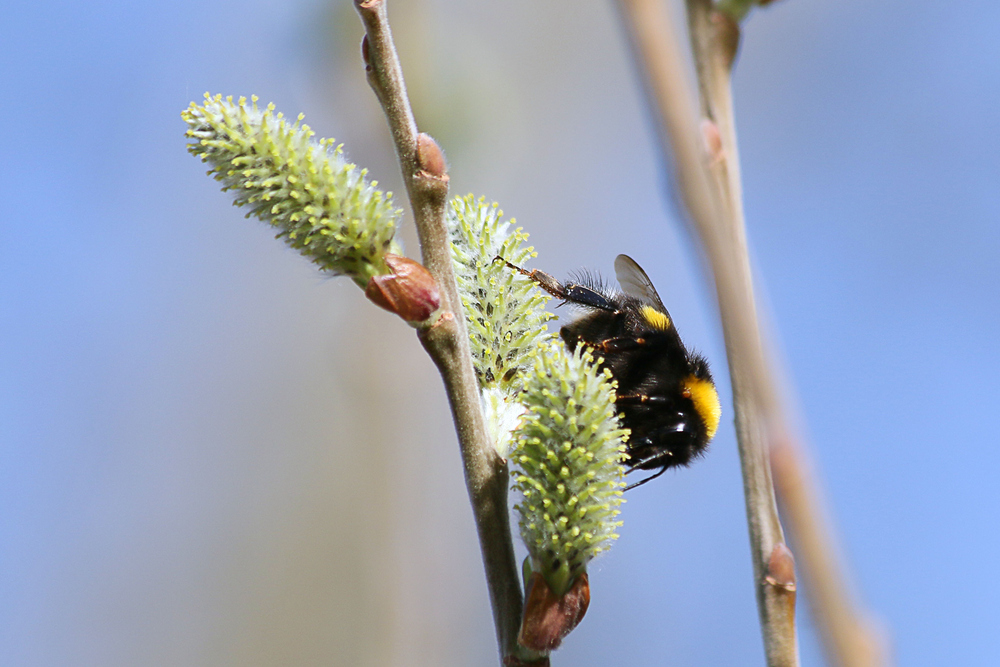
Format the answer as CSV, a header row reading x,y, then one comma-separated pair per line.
x,y
849,637
447,341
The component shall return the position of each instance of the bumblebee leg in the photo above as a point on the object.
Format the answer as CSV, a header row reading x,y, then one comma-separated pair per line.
x,y
632,399
585,296
648,479
632,467
619,344
542,279
637,465
571,292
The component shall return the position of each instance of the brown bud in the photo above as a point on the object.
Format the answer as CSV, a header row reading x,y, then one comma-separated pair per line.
x,y
366,53
548,618
514,661
781,568
726,36
429,156
713,140
410,290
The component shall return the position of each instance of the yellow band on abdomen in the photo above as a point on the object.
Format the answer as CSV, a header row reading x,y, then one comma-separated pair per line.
x,y
706,402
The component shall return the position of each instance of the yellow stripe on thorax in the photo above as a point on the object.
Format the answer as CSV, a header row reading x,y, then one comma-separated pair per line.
x,y
655,318
706,402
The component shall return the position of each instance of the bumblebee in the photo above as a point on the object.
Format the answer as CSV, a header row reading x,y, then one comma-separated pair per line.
x,y
666,395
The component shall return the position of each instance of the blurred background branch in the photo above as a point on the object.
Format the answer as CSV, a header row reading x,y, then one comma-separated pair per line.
x,y
710,182
712,197
447,340
849,637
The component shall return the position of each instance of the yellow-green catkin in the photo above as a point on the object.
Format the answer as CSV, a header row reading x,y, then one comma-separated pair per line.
x,y
569,450
322,205
504,310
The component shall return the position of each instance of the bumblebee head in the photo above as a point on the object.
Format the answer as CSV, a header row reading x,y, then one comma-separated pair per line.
x,y
700,388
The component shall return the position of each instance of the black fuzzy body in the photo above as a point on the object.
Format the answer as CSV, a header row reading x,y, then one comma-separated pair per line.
x,y
665,394
667,430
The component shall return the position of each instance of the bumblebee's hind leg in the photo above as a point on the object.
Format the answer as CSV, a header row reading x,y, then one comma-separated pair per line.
x,y
660,457
619,344
571,292
639,399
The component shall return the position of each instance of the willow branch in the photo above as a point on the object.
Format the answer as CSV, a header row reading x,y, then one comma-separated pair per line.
x,y
848,636
709,187
714,40
447,341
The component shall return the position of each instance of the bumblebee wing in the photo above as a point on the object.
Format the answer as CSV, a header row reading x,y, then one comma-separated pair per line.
x,y
636,283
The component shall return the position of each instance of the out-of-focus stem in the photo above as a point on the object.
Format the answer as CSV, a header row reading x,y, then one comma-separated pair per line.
x,y
849,638
709,187
447,341
714,40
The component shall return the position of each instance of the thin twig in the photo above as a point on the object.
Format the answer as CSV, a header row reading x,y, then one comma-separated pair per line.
x,y
849,637
447,341
709,186
714,40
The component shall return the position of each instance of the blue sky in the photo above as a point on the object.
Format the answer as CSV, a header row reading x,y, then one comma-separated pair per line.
x,y
210,455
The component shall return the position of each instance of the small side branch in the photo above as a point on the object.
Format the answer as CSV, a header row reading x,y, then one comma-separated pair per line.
x,y
850,637
447,341
709,186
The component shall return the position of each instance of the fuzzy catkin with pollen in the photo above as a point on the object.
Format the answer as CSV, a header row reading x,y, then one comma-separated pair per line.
x,y
322,205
